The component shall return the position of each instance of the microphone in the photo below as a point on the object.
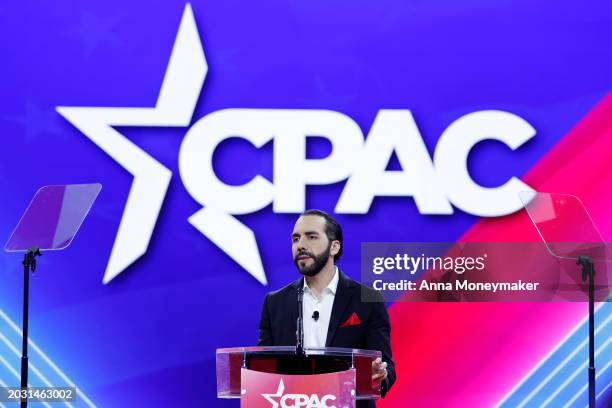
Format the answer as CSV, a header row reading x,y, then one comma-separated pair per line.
x,y
315,315
299,348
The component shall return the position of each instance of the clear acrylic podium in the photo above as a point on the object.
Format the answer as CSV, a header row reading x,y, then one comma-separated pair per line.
x,y
353,365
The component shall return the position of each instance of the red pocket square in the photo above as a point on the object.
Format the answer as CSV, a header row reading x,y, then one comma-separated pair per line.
x,y
351,321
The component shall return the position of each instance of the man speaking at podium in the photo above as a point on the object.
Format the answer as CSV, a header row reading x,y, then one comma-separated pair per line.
x,y
334,315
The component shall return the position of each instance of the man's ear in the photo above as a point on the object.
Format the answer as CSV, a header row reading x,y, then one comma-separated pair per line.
x,y
335,248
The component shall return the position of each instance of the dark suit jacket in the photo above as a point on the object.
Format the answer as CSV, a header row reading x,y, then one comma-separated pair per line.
x,y
279,320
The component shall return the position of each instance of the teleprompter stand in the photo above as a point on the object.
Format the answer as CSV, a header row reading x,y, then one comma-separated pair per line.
x,y
50,222
570,234
588,272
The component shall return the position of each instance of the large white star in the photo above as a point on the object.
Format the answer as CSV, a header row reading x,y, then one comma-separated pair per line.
x,y
279,393
175,105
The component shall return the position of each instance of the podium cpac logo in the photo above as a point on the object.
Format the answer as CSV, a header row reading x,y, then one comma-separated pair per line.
x,y
435,184
298,400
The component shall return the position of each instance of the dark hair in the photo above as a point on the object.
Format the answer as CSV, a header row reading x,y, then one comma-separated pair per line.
x,y
333,230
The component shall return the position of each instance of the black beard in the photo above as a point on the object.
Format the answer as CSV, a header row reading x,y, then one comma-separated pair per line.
x,y
318,264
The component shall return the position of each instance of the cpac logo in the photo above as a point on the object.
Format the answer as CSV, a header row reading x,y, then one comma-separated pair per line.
x,y
298,400
436,185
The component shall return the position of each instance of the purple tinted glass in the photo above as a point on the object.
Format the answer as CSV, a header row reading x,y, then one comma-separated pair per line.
x,y
53,217
565,226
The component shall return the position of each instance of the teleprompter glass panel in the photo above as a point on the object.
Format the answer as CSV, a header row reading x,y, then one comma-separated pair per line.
x,y
53,217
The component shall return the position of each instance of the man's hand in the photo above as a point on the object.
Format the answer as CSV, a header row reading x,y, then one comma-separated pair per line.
x,y
379,373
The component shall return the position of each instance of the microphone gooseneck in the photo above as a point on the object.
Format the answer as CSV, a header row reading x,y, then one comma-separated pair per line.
x,y
299,348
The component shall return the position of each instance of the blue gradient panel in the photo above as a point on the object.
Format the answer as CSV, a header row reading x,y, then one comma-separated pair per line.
x,y
150,334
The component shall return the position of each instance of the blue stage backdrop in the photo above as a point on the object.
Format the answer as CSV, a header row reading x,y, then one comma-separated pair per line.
x,y
212,124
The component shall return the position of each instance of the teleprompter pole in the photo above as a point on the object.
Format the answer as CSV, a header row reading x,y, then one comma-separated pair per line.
x,y
29,264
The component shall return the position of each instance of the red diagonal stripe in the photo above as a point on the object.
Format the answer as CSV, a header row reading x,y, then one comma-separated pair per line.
x,y
471,355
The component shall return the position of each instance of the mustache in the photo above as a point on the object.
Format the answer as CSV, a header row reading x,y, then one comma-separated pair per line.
x,y
304,253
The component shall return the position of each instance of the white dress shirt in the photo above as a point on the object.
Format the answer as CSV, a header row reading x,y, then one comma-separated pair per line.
x,y
315,332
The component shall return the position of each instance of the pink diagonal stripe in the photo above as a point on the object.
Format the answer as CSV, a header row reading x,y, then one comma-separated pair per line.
x,y
471,355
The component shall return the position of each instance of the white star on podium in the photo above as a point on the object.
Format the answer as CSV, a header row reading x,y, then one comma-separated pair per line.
x,y
279,393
